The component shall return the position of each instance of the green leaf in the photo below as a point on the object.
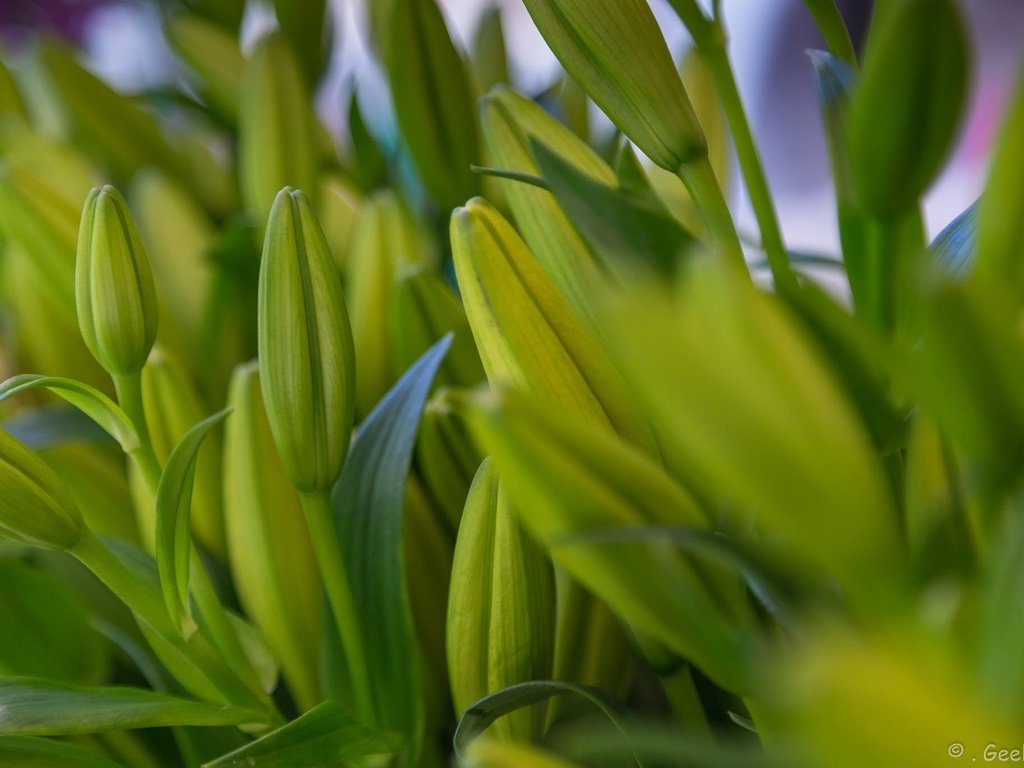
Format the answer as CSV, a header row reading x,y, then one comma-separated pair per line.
x,y
89,401
46,628
34,707
321,738
955,246
33,752
476,719
368,508
625,227
173,515
915,74
433,100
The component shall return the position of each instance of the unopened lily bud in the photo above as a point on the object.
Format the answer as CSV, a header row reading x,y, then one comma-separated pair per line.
x,y
276,126
500,606
615,50
272,562
114,291
172,407
35,508
307,361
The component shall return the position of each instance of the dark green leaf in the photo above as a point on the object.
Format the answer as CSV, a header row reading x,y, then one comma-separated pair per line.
x,y
33,707
173,515
476,719
323,737
33,752
626,226
368,507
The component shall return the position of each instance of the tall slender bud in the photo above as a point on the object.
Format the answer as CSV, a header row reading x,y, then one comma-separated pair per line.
x,y
114,291
307,361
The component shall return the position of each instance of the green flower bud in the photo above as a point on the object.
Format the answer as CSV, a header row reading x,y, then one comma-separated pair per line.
x,y
307,359
35,508
114,291
616,52
276,126
500,606
272,562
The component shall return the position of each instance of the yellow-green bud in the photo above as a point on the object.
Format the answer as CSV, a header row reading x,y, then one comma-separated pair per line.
x,y
35,508
616,52
501,611
307,361
114,291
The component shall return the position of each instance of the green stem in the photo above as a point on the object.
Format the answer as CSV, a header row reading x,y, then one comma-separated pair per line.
x,y
709,37
317,508
700,181
129,397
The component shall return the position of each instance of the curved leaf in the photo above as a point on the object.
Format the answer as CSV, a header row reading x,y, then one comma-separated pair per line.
x,y
323,737
88,400
173,503
478,717
954,247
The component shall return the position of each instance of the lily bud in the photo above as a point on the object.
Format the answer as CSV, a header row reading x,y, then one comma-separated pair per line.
x,y
500,606
114,291
307,360
615,50
35,508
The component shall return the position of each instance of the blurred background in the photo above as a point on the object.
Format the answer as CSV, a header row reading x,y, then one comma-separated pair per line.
x,y
121,41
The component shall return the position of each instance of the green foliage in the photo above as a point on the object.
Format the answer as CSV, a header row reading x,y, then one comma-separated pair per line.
x,y
547,480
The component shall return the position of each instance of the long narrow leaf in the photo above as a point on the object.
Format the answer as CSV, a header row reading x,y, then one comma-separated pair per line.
x,y
173,505
368,506
33,707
